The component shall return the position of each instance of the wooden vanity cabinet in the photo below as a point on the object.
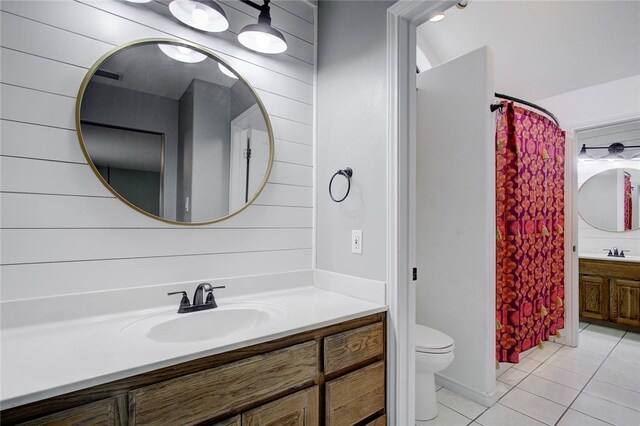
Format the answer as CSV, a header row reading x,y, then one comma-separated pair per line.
x,y
333,375
610,292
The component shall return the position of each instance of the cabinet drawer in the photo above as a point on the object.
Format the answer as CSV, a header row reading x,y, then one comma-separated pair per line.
x,y
356,396
353,346
210,393
101,413
299,409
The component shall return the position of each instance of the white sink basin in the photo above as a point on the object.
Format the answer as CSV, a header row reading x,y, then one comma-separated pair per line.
x,y
211,324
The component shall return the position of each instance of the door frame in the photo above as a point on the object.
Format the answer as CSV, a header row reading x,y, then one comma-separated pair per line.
x,y
402,19
572,284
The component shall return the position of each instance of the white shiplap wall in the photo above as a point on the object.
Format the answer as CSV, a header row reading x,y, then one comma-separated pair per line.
x,y
593,240
61,231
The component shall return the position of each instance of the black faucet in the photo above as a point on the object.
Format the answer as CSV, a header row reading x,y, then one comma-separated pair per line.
x,y
614,252
198,303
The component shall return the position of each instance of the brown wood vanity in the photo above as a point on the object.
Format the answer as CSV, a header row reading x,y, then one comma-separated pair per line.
x,y
333,375
610,292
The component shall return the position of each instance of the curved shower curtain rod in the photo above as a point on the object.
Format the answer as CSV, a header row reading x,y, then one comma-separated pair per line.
x,y
521,101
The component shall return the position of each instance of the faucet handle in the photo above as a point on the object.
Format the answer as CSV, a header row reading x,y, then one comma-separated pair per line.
x,y
210,299
622,252
184,301
609,250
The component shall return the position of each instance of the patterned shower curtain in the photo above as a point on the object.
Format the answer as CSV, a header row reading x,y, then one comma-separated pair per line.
x,y
529,231
628,195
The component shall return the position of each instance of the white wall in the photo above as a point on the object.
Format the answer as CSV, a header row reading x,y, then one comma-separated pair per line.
x,y
600,103
352,132
456,285
62,231
597,105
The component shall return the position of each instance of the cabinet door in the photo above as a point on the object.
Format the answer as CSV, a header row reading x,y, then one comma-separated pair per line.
x,y
352,398
625,302
299,409
594,297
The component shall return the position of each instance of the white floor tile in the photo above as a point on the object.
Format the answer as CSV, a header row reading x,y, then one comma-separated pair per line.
x,y
564,377
601,340
630,368
502,388
527,365
618,378
621,396
503,368
574,365
550,390
460,404
606,411
576,418
533,406
551,346
499,415
513,376
628,349
446,417
605,331
540,355
582,325
582,354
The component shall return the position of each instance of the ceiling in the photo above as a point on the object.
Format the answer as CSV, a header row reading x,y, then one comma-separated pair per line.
x,y
541,48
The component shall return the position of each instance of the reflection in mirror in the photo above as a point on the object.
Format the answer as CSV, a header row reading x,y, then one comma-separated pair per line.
x,y
610,201
174,132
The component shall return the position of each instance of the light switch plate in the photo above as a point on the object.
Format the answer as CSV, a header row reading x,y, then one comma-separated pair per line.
x,y
356,242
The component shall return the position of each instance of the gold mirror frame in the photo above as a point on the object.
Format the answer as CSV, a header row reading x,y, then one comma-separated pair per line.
x,y
209,53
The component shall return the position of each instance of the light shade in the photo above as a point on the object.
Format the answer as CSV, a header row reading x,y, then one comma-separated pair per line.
x,y
583,156
181,53
205,15
262,38
226,71
612,156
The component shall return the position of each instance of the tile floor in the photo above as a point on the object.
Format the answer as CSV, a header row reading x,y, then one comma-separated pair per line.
x,y
596,384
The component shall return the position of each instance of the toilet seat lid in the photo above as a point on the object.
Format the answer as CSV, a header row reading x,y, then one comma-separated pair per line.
x,y
431,340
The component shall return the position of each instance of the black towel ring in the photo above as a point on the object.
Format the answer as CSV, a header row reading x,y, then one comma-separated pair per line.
x,y
346,173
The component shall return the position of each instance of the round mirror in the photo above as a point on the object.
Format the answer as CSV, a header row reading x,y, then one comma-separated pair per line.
x,y
609,200
174,132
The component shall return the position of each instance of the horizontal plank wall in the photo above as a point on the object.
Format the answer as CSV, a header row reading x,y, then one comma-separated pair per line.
x,y
62,232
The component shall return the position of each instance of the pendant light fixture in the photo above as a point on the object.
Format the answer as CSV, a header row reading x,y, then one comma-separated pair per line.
x,y
262,37
205,15
615,152
583,156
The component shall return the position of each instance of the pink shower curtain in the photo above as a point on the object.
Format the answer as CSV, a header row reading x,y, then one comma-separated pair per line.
x,y
529,232
628,195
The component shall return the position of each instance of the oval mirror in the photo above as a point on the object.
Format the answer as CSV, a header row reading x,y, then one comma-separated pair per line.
x,y
174,132
609,200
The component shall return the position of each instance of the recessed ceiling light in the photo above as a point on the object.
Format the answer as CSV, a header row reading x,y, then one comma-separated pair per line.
x,y
436,16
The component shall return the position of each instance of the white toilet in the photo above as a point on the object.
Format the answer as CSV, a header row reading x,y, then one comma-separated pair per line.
x,y
434,353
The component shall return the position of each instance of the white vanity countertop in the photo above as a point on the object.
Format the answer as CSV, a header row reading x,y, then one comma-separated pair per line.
x,y
41,361
628,258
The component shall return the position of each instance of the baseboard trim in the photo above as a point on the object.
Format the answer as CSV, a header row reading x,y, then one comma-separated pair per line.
x,y
482,398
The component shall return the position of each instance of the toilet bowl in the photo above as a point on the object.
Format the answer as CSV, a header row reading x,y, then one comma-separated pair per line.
x,y
434,353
